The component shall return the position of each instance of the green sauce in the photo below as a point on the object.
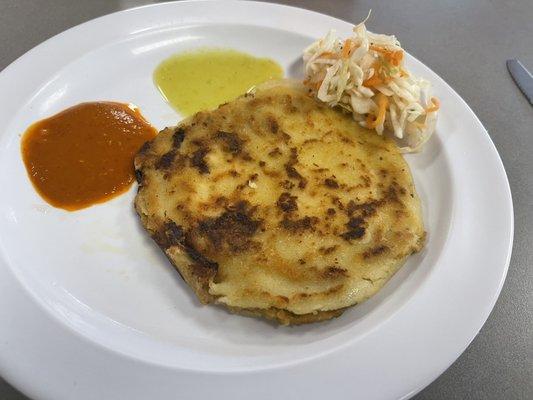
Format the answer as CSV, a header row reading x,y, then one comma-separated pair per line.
x,y
204,79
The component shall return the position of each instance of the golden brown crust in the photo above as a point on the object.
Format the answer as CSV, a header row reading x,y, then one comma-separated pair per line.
x,y
276,206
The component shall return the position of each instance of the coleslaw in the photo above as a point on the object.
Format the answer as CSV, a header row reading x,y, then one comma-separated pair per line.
x,y
365,75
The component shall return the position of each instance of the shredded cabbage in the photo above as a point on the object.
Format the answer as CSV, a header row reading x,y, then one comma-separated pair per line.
x,y
365,75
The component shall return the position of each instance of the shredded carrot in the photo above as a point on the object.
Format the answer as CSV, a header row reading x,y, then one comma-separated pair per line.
x,y
379,49
376,80
435,106
329,54
373,81
383,102
395,57
346,48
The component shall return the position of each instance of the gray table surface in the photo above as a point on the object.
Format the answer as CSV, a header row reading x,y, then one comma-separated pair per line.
x,y
466,43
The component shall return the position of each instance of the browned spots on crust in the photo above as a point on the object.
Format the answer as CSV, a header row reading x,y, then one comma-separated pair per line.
x,y
346,140
275,153
287,203
221,201
301,261
306,141
232,142
165,161
337,202
203,266
292,172
392,193
351,207
286,184
289,107
375,251
366,209
178,137
400,214
293,158
272,124
262,163
204,271
321,169
233,229
246,156
198,160
303,224
258,101
139,176
355,230
272,173
169,234
285,137
327,250
330,291
333,289
331,211
145,148
331,183
334,273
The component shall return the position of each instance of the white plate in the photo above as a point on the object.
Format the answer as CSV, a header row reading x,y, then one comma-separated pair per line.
x,y
90,308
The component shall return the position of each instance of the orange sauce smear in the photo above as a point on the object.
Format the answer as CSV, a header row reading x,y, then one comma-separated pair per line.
x,y
84,155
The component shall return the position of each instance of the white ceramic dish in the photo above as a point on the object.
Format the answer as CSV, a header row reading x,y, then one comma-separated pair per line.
x,y
91,309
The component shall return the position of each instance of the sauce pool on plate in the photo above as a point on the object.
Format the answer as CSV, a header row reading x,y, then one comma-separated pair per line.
x,y
203,79
84,154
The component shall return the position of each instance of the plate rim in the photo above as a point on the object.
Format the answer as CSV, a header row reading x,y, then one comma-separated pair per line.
x,y
501,168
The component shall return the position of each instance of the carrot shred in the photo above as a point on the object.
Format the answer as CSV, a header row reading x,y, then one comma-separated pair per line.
x,y
329,54
346,48
374,80
435,106
395,57
383,102
379,49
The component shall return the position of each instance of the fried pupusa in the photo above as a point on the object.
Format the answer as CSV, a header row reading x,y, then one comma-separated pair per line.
x,y
278,206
